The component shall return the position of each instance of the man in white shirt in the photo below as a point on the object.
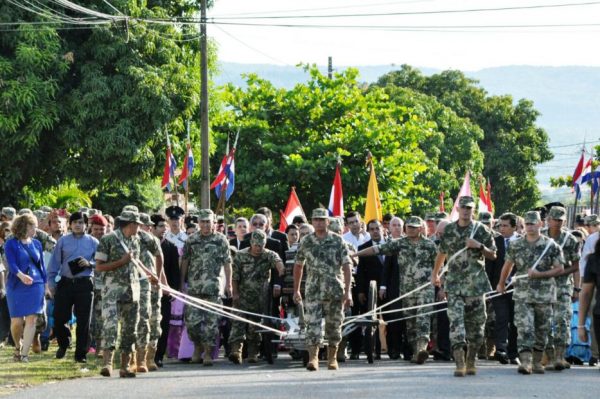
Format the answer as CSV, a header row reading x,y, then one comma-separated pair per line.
x,y
355,236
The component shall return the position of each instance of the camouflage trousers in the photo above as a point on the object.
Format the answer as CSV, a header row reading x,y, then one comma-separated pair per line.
x,y
202,326
116,312
241,331
149,325
562,313
314,312
96,326
533,322
418,328
467,317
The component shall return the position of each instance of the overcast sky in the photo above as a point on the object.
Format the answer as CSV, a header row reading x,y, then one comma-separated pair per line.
x,y
433,45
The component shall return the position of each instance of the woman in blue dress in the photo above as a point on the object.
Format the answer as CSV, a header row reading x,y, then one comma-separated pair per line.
x,y
26,285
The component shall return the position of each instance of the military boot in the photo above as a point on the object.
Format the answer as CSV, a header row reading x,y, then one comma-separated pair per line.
x,y
125,371
459,359
235,354
471,359
313,358
107,359
140,360
132,366
332,363
525,367
252,352
537,362
150,354
560,357
197,356
421,351
208,356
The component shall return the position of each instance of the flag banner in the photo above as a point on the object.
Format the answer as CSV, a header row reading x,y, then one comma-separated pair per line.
x,y
489,196
188,167
581,173
373,206
442,206
483,205
169,170
336,199
225,180
292,209
464,190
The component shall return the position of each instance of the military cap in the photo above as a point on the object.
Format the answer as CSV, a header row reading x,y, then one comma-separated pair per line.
x,y
145,218
131,208
579,218
430,216
46,208
258,237
40,215
24,211
220,219
542,210
549,205
9,212
94,211
99,220
441,216
532,217
466,201
557,213
205,214
414,221
84,209
191,219
336,224
485,217
175,212
129,216
320,213
591,220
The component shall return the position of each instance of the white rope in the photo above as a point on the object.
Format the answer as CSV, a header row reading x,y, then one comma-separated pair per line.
x,y
197,302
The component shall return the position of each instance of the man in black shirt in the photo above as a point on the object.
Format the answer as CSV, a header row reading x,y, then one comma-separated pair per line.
x,y
171,271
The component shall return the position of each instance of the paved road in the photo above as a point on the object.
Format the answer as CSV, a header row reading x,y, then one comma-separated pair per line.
x,y
287,379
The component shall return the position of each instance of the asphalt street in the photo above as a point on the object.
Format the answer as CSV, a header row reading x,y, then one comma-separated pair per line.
x,y
288,379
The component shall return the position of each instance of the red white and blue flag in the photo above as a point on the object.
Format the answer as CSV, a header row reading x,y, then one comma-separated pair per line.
x,y
169,170
336,199
582,174
225,180
188,167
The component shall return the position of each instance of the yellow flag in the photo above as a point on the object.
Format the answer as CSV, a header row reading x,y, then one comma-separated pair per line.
x,y
373,208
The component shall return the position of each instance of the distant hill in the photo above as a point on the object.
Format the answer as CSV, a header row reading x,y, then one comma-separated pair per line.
x,y
568,99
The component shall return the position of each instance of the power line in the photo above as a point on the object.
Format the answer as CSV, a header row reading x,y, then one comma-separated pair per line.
x,y
250,47
575,144
435,12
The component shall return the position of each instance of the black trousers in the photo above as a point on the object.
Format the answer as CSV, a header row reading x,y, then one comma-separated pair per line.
x,y
504,328
165,310
597,327
74,295
443,328
4,319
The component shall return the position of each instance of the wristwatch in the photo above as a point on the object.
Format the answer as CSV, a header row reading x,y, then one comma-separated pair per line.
x,y
577,289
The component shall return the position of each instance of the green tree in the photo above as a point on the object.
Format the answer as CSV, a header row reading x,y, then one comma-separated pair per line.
x,y
294,137
512,142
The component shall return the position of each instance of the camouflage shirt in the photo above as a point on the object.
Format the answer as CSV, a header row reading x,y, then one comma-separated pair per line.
x,y
150,249
252,274
466,273
124,280
206,257
524,255
48,242
324,258
415,260
571,253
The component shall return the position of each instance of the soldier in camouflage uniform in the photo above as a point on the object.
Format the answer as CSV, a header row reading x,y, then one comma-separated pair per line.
x,y
251,274
466,282
540,259
149,325
121,291
327,287
205,254
560,338
416,256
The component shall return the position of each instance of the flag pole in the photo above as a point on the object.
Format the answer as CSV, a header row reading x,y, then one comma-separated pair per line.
x,y
187,185
174,179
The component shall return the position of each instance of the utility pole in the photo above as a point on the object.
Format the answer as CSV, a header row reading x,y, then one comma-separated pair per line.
x,y
204,139
330,67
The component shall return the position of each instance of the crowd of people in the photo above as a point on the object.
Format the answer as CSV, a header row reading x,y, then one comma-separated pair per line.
x,y
154,286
